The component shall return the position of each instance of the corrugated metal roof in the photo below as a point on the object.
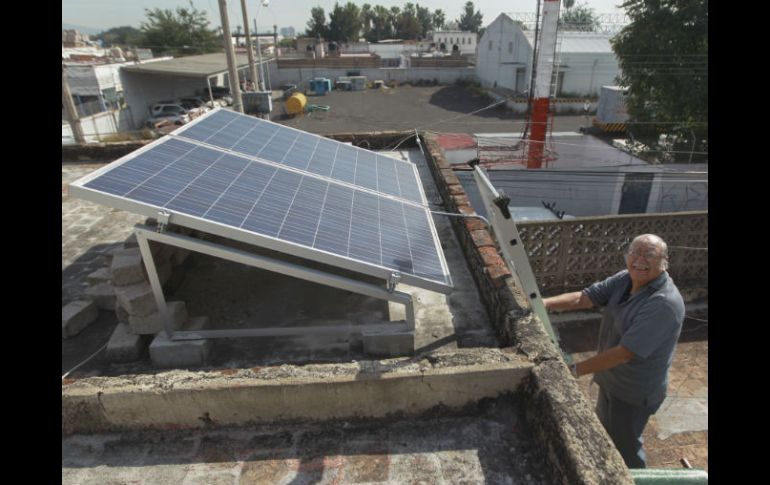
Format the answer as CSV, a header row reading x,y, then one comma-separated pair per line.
x,y
202,65
580,42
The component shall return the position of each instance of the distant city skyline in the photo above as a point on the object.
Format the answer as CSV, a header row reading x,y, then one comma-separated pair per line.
x,y
101,15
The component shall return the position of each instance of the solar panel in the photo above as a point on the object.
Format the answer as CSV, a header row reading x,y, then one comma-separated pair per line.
x,y
278,206
304,151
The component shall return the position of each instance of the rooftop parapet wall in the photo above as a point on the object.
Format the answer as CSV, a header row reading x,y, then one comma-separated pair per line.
x,y
568,433
184,399
331,62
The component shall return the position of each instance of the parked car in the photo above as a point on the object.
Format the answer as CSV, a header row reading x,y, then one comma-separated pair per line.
x,y
195,102
162,113
221,93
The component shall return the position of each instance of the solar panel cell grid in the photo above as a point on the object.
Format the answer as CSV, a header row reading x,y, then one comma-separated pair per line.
x,y
282,145
362,224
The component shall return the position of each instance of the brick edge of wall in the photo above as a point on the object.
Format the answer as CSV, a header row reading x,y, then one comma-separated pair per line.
x,y
567,432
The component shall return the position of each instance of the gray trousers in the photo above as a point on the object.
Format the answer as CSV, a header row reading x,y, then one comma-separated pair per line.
x,y
625,423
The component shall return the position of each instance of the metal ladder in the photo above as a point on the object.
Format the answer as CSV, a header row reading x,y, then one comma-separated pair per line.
x,y
514,254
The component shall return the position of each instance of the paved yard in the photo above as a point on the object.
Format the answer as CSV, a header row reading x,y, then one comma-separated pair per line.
x,y
442,109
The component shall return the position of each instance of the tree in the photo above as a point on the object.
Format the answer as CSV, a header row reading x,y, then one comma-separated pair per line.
x,y
469,21
579,18
316,26
408,26
381,25
393,16
345,23
439,19
367,18
425,21
124,36
183,33
663,54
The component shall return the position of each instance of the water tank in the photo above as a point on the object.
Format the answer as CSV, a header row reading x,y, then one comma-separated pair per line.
x,y
612,105
296,104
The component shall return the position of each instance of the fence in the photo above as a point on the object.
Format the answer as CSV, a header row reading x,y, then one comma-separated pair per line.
x,y
568,255
99,126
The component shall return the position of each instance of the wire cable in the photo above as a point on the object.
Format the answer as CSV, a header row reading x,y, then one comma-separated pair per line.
x,y
64,376
469,216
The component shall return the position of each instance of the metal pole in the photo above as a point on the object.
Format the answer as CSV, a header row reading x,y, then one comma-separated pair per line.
x,y
69,107
259,56
252,67
211,95
235,88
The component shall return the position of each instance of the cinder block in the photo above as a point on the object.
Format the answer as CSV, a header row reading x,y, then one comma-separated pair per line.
x,y
77,315
111,254
125,346
153,324
103,295
181,353
101,275
388,344
122,314
138,300
127,267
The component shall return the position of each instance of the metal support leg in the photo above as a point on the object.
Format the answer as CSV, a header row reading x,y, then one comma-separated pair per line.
x,y
145,233
157,288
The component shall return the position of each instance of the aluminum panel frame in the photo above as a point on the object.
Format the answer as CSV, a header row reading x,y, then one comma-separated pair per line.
x,y
144,234
79,190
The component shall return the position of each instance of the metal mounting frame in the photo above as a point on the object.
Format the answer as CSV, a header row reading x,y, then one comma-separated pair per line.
x,y
514,254
144,234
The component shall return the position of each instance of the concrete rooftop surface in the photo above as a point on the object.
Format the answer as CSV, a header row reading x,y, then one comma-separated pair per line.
x,y
464,408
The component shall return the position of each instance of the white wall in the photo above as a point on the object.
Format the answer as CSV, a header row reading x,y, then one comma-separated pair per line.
x,y
509,54
586,73
588,195
450,38
444,75
98,126
391,51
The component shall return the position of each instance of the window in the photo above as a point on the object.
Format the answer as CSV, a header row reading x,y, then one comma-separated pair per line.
x,y
490,45
463,40
510,47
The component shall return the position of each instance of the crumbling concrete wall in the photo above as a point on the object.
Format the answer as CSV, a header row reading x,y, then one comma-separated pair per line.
x,y
100,151
567,431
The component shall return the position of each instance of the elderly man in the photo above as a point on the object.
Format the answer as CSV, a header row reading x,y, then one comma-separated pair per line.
x,y
643,315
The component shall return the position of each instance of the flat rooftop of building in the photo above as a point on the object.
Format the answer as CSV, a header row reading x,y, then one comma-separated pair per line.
x,y
439,109
195,66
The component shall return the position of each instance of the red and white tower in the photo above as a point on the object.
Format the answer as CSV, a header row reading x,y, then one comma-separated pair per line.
x,y
543,73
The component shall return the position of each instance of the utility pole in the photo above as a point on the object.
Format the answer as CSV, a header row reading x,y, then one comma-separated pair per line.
x,y
259,56
235,88
69,107
252,66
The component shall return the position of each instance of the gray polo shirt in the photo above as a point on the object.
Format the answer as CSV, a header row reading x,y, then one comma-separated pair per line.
x,y
646,323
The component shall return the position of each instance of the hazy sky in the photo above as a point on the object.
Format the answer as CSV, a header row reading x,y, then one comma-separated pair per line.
x,y
104,14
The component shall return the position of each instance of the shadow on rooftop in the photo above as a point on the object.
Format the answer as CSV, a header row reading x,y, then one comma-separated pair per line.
x,y
391,449
459,99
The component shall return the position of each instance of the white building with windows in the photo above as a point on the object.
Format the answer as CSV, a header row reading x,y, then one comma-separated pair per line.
x,y
465,41
585,60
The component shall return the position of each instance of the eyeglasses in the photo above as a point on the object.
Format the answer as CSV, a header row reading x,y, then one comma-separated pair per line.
x,y
646,254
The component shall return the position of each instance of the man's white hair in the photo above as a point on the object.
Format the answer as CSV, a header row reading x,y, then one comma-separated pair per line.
x,y
658,242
